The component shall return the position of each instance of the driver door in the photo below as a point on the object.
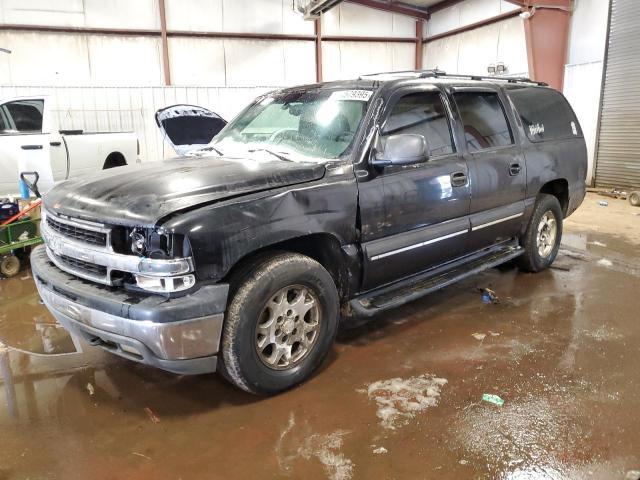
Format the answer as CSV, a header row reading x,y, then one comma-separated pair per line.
x,y
425,217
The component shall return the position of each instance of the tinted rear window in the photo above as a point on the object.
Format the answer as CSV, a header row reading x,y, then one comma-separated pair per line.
x,y
485,125
545,113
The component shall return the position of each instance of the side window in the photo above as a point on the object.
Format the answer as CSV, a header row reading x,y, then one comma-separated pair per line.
x,y
545,113
421,113
485,125
26,114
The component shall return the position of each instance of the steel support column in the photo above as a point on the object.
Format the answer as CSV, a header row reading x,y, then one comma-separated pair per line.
x,y
165,43
419,34
547,36
318,41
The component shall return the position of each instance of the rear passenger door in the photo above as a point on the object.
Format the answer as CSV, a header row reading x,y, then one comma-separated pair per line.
x,y
426,205
496,165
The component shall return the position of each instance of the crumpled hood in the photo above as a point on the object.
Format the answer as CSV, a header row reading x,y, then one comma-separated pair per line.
x,y
143,194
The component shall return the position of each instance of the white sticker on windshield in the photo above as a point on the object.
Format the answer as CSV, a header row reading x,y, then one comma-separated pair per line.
x,y
360,95
574,129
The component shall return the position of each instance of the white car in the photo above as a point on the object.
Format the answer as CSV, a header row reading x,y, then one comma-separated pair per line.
x,y
30,142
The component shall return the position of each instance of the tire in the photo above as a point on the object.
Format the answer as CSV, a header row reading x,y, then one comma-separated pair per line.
x,y
292,297
10,266
634,198
537,257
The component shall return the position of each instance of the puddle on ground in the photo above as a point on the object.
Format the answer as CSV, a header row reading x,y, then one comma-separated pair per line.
x,y
25,324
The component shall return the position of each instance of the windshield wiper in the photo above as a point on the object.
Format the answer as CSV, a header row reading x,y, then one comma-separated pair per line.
x,y
209,148
275,154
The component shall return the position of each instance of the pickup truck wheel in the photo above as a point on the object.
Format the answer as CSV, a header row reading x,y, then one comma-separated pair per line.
x,y
280,323
542,238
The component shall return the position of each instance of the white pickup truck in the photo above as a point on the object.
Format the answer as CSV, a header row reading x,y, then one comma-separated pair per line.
x,y
30,142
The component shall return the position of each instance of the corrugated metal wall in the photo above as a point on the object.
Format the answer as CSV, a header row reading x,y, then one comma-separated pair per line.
x,y
473,51
116,109
618,152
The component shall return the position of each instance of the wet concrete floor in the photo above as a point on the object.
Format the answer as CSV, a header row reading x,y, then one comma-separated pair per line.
x,y
398,398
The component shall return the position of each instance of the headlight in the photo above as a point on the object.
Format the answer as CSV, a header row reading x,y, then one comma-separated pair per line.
x,y
165,284
160,267
165,262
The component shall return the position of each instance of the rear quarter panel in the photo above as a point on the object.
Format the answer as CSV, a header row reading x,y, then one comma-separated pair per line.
x,y
560,159
88,151
564,158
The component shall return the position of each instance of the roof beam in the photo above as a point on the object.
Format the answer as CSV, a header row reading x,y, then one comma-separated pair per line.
x,y
472,26
442,5
551,4
393,7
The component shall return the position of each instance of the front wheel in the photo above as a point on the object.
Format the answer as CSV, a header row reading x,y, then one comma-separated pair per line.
x,y
542,238
280,323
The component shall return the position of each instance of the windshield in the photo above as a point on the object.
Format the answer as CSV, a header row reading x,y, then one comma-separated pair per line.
x,y
317,124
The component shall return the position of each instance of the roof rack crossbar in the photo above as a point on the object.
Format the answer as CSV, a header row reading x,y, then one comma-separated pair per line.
x,y
441,74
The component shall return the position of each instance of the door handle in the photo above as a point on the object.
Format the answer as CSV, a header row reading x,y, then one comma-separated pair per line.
x,y
514,169
458,179
55,144
31,147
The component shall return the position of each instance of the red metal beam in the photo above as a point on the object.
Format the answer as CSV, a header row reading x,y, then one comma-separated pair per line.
x,y
347,38
185,33
85,30
165,43
240,35
473,26
393,7
547,36
318,32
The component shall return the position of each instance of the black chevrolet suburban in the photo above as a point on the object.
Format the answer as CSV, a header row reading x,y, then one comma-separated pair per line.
x,y
315,205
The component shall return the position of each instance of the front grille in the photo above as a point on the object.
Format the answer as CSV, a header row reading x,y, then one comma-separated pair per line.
x,y
84,235
82,266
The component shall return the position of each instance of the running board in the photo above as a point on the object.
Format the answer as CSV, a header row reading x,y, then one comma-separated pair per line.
x,y
394,295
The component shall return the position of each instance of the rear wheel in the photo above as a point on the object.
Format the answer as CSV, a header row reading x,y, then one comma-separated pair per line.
x,y
280,323
544,232
634,199
10,265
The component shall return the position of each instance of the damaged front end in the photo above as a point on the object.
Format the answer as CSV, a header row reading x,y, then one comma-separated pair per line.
x,y
146,259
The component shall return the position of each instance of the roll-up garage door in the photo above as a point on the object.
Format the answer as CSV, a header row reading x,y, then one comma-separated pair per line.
x,y
618,153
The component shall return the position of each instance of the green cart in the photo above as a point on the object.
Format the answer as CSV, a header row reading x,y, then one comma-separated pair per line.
x,y
21,231
14,238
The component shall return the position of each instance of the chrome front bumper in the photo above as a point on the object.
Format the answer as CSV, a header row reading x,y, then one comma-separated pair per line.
x,y
181,345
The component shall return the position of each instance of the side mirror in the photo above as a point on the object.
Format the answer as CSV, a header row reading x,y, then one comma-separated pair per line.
x,y
402,149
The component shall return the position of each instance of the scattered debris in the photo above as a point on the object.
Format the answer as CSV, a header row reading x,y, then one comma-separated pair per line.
x,y
494,334
613,194
605,263
152,416
632,475
90,389
573,254
560,267
26,277
495,399
603,203
478,336
326,448
489,296
463,462
597,243
141,455
380,450
399,400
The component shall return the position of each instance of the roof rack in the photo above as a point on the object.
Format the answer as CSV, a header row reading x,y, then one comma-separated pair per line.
x,y
442,74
